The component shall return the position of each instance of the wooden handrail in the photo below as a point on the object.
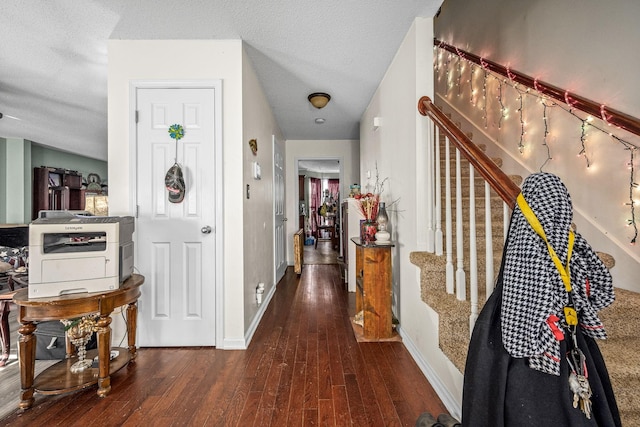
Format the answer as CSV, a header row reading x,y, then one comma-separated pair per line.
x,y
608,115
497,179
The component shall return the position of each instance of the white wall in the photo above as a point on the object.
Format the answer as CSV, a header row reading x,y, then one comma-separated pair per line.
x,y
520,35
197,60
258,123
395,149
347,151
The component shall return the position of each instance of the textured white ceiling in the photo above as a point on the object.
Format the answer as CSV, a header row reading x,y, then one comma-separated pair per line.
x,y
321,166
53,58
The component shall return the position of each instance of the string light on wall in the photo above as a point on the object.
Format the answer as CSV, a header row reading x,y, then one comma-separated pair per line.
x,y
632,185
472,92
545,143
447,75
503,109
522,122
484,97
583,139
575,105
458,85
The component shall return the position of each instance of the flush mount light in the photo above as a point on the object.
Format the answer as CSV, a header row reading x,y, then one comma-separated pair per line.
x,y
320,120
8,116
319,99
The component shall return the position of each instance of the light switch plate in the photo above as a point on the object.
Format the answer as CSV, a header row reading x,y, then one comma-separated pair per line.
x,y
257,171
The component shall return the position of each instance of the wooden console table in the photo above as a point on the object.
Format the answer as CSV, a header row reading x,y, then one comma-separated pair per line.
x,y
373,289
58,378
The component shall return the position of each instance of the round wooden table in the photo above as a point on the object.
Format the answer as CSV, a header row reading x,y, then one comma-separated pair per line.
x,y
58,378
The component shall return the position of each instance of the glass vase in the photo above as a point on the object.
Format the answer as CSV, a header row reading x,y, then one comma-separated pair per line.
x,y
368,231
382,221
80,336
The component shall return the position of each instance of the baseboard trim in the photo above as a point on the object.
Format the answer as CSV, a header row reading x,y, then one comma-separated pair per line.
x,y
234,344
248,336
450,402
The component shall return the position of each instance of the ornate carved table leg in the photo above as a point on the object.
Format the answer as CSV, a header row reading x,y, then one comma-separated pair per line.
x,y
5,332
104,353
132,324
27,348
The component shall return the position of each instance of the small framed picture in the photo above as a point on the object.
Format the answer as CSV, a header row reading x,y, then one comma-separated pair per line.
x,y
54,179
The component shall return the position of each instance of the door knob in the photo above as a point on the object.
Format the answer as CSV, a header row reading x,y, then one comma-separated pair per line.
x,y
206,229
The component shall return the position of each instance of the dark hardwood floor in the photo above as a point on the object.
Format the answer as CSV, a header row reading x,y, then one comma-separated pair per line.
x,y
322,253
302,368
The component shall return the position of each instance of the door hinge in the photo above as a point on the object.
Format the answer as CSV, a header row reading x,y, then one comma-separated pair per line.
x,y
137,210
136,116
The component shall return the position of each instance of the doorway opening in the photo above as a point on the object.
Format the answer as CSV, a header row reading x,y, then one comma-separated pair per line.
x,y
319,195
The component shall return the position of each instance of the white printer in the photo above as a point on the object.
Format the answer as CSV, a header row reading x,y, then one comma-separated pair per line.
x,y
75,253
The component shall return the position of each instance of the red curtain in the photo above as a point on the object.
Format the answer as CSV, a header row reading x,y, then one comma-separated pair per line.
x,y
334,190
315,200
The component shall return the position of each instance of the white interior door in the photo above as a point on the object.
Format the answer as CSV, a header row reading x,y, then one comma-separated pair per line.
x,y
279,220
175,248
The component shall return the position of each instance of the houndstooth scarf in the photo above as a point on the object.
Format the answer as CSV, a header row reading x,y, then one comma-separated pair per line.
x,y
532,288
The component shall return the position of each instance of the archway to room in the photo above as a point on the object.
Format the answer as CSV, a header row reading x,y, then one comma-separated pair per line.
x,y
318,196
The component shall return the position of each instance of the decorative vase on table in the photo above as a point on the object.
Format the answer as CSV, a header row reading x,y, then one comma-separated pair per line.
x,y
368,206
368,231
79,333
382,236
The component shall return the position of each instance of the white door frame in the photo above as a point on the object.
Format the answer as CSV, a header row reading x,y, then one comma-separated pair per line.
x,y
276,279
134,85
296,194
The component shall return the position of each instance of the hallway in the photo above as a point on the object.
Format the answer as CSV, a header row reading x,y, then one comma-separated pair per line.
x,y
323,254
303,367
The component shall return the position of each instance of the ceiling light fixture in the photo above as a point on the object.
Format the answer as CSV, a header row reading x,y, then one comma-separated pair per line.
x,y
320,120
319,99
8,116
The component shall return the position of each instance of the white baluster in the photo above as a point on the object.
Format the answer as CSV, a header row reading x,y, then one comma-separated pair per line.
x,y
438,196
473,253
505,220
461,289
425,223
448,220
489,242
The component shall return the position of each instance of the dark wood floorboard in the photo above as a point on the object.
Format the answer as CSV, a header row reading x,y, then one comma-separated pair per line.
x,y
323,253
303,367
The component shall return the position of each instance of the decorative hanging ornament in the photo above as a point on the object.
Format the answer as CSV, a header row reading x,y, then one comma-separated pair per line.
x,y
176,132
174,179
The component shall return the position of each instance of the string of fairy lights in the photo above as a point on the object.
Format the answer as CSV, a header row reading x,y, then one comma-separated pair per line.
x,y
587,124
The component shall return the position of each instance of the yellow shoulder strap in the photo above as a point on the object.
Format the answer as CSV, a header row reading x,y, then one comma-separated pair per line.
x,y
537,227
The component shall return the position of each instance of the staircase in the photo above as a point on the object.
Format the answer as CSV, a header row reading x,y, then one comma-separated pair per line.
x,y
454,314
622,320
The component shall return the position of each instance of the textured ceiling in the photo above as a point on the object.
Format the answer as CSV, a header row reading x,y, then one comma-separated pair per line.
x,y
53,58
321,166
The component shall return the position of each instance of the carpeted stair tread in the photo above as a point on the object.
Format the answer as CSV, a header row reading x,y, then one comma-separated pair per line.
x,y
622,318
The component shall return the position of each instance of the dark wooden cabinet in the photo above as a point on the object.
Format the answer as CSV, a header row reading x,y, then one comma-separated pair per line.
x,y
373,289
56,189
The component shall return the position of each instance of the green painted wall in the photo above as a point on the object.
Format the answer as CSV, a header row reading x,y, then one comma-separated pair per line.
x,y
3,181
43,156
18,157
